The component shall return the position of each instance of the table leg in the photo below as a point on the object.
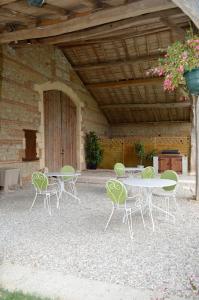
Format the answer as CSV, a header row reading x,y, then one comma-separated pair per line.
x,y
149,200
63,190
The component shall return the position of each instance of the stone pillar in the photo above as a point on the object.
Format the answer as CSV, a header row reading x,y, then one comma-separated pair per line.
x,y
193,138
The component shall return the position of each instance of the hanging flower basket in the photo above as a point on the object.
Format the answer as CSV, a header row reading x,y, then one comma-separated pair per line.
x,y
192,81
180,66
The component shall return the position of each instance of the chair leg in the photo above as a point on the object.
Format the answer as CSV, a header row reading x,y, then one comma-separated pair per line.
x,y
33,201
48,204
109,219
142,216
129,222
58,206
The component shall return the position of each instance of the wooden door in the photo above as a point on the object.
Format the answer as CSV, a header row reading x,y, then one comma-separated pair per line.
x,y
176,164
164,164
60,130
68,131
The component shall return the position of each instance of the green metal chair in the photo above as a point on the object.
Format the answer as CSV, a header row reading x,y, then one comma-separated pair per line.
x,y
67,169
70,180
43,188
168,193
117,193
148,172
119,169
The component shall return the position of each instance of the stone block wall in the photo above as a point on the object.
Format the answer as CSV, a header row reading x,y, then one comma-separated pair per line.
x,y
20,103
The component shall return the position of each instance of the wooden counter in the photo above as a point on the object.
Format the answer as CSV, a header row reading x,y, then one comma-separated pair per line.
x,y
170,162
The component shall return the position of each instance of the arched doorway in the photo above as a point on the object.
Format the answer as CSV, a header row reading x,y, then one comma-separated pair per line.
x,y
60,120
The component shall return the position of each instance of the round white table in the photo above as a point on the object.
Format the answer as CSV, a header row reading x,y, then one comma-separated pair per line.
x,y
59,176
133,170
149,184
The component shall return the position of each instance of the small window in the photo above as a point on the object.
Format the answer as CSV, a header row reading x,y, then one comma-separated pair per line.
x,y
30,145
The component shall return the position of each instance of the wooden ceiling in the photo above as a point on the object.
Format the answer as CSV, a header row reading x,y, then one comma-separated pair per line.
x,y
111,44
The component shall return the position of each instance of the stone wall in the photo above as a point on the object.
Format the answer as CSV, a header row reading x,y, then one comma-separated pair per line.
x,y
151,130
23,70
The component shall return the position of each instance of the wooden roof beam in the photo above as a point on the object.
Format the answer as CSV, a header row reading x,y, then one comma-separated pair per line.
x,y
123,83
114,124
136,106
176,29
5,2
109,28
95,19
118,63
55,9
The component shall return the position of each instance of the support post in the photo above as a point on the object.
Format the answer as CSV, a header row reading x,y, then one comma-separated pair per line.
x,y
193,138
197,146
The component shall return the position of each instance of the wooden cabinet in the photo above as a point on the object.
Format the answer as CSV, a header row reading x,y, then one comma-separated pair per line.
x,y
170,162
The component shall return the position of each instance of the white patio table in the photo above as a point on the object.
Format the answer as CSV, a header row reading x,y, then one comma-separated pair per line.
x,y
149,184
134,170
60,176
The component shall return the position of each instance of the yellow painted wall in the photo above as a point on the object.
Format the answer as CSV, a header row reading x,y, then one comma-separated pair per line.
x,y
122,149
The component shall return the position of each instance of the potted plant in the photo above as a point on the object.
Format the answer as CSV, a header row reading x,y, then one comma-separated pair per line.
x,y
93,151
180,66
140,153
150,155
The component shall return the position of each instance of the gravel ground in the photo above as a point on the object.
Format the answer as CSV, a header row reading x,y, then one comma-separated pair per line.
x,y
72,241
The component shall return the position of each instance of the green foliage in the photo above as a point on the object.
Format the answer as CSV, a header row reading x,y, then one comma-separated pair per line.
x,y
93,151
150,155
6,295
181,56
140,151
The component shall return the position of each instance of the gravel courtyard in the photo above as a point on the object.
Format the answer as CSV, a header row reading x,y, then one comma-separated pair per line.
x,y
72,241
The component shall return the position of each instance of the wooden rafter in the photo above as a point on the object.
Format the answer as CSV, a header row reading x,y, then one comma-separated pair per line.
x,y
110,28
118,63
122,83
136,106
5,2
176,29
152,122
55,9
95,19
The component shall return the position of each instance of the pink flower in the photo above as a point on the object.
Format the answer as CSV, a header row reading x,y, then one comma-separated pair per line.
x,y
181,69
197,47
168,85
184,55
148,73
160,71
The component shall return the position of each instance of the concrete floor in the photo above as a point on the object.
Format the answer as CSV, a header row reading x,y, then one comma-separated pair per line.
x,y
72,242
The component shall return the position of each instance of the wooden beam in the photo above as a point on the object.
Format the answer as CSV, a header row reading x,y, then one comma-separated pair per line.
x,y
176,29
5,2
111,37
110,28
55,9
12,15
119,62
139,106
144,123
123,83
95,19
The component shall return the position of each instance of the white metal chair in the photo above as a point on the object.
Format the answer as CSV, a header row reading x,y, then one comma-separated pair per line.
x,y
168,193
43,188
117,193
70,180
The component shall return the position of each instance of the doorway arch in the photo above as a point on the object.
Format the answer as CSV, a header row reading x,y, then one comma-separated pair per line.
x,y
59,86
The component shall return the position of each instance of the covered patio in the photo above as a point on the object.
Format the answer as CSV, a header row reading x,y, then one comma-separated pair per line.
x,y
73,242
73,67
